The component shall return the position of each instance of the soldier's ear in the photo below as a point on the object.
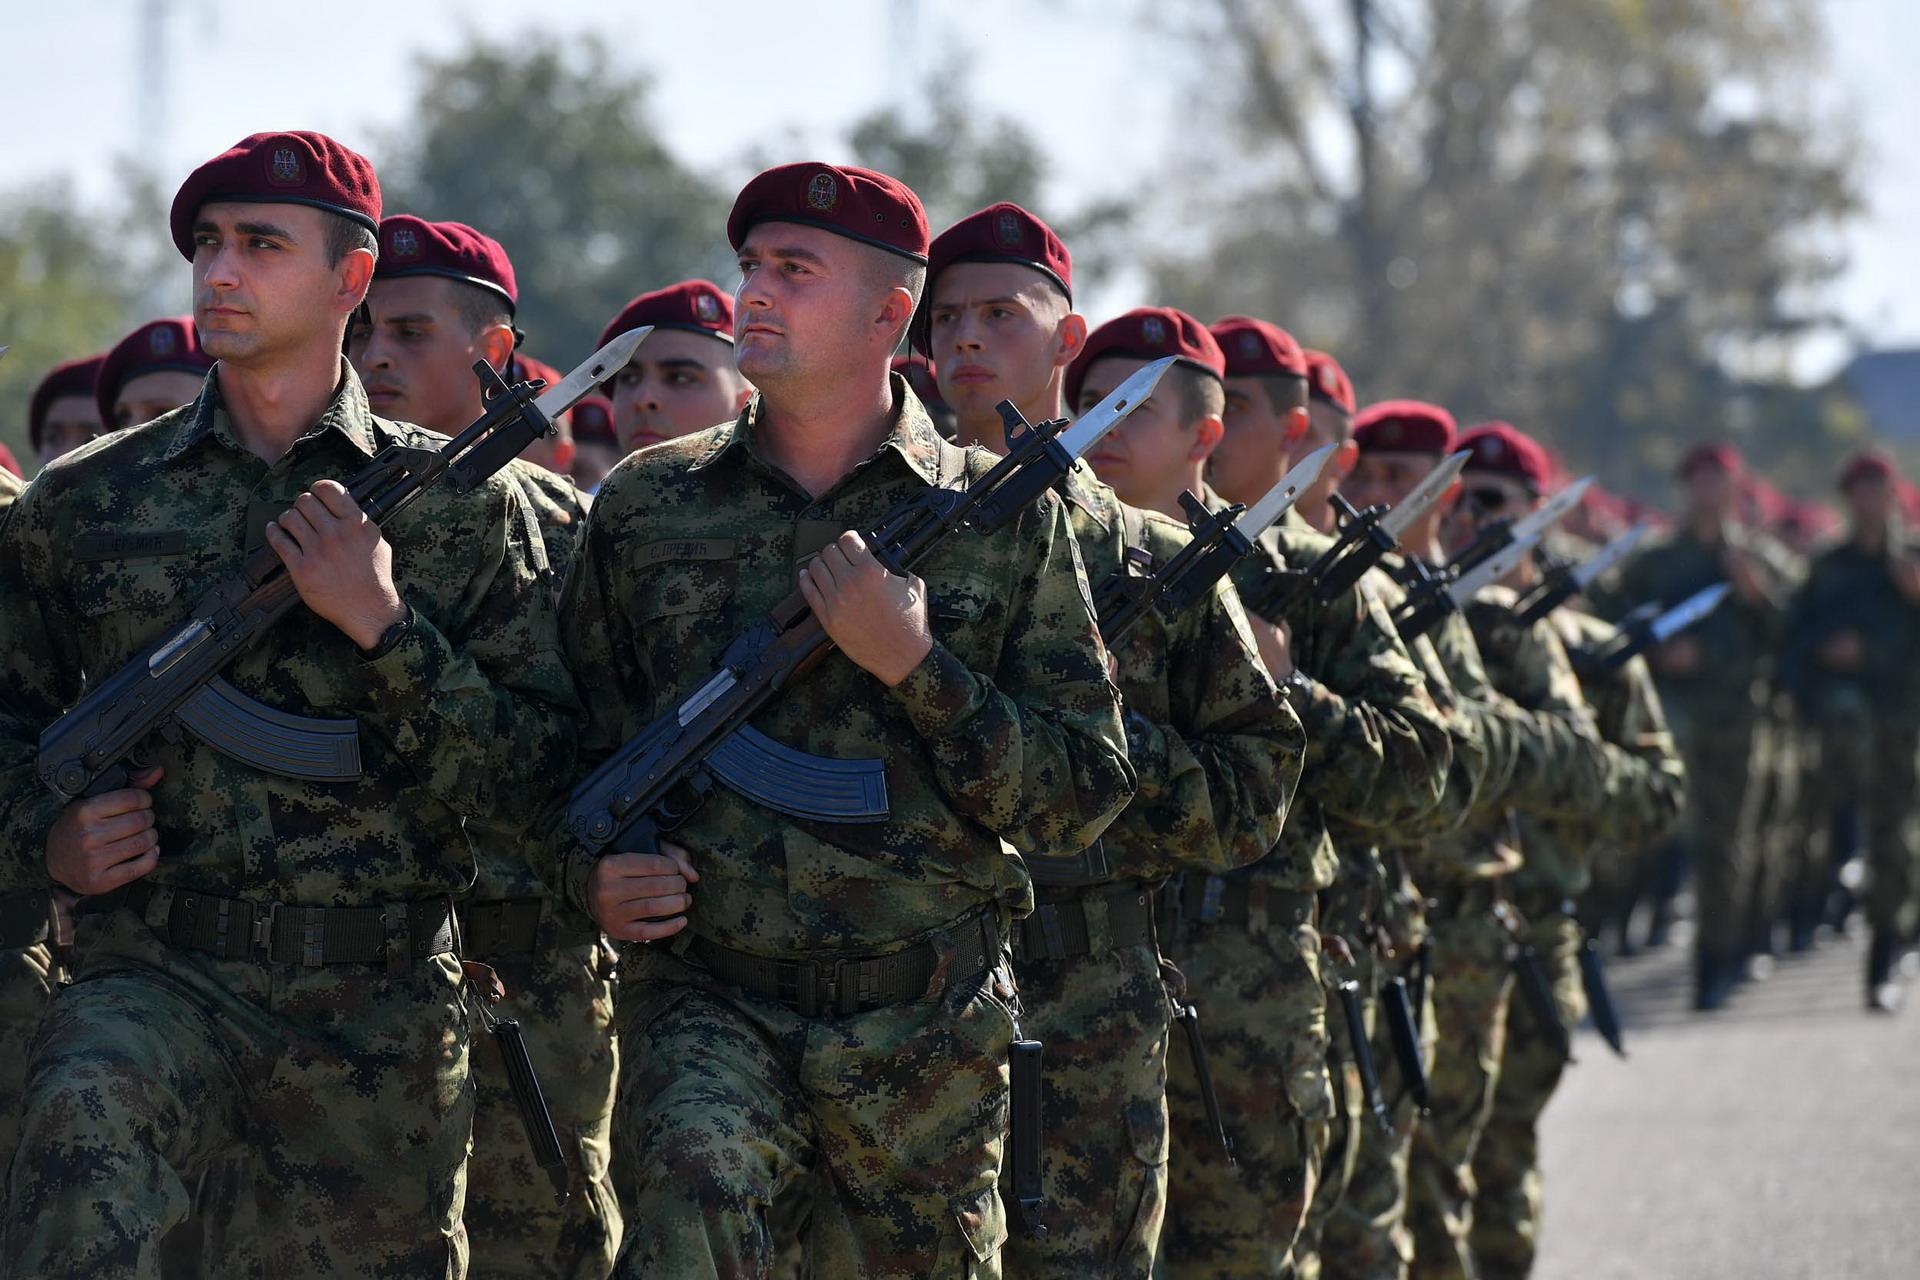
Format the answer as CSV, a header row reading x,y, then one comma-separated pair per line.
x,y
495,345
354,279
1070,339
1345,458
1296,427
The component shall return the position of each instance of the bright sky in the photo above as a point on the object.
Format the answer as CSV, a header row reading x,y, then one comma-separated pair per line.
x,y
762,72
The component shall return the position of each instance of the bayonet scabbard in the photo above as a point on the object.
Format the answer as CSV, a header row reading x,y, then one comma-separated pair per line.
x,y
1203,1074
1606,1017
1356,1018
1396,1007
1022,1190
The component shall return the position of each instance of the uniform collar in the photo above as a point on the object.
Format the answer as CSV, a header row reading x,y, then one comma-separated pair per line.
x,y
347,414
913,435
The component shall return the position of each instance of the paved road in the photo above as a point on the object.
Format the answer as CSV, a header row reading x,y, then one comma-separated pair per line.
x,y
1776,1140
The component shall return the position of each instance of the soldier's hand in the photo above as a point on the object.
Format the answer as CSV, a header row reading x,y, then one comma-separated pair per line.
x,y
1679,656
1275,642
878,619
643,897
1843,651
1744,575
339,562
105,841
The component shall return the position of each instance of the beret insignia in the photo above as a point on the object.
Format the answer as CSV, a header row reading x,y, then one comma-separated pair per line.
x,y
706,308
161,342
405,243
823,193
283,167
1006,229
1153,331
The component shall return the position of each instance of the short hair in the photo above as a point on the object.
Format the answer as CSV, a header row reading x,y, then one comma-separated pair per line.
x,y
1200,395
344,235
1285,390
480,308
885,270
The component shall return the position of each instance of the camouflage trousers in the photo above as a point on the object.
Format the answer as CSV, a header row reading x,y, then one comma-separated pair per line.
x,y
1506,1167
1718,831
346,1088
28,979
1263,1013
893,1120
1471,984
562,997
1873,767
1103,1020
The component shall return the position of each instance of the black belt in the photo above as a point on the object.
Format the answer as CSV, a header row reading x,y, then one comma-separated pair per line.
x,y
500,928
26,920
237,929
1059,929
1217,900
843,985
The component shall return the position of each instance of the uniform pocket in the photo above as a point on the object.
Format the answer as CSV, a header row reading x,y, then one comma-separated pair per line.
x,y
983,1225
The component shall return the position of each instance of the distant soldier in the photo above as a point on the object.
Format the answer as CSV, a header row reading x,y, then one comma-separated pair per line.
x,y
1851,634
444,296
683,378
1712,680
833,1007
63,413
153,370
1216,750
268,963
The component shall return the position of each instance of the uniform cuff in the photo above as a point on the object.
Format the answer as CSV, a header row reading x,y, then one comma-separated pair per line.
x,y
407,673
939,694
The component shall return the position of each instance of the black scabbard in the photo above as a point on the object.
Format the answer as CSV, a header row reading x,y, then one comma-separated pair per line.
x,y
1402,1028
1203,1073
1537,993
1606,1018
1349,992
1021,1189
532,1103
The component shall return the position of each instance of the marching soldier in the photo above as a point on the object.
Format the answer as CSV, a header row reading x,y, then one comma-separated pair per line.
x,y
63,414
153,370
283,981
444,296
829,1004
1216,750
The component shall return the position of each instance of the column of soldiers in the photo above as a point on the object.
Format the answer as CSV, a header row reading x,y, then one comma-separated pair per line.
x,y
1261,873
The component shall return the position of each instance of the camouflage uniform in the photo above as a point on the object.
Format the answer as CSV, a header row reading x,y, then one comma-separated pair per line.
x,y
345,1082
1715,712
1217,753
1559,853
1376,756
1009,729
558,976
1868,719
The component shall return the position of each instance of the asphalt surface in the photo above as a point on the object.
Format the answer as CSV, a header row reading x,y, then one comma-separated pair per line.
x,y
1774,1140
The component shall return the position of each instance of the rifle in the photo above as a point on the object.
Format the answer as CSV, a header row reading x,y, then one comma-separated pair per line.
x,y
1492,554
1563,579
1641,629
175,681
657,779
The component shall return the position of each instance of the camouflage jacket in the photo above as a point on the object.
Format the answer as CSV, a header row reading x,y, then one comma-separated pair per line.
x,y
1645,803
1215,747
1377,745
1850,589
1009,729
472,714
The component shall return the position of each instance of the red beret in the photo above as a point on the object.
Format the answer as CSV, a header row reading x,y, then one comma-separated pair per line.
x,y
1003,232
411,246
698,306
1868,464
1328,383
1721,455
69,378
280,168
593,421
170,345
1404,426
10,463
1147,333
1502,449
1254,347
861,204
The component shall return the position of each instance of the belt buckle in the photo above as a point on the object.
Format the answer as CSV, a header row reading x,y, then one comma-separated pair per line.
x,y
794,987
843,997
261,941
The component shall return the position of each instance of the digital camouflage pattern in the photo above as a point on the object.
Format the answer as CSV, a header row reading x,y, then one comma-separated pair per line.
x,y
469,715
155,1064
1010,728
894,1120
1377,754
29,976
1217,756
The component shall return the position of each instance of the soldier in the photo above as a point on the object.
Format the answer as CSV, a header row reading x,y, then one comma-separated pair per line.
x,y
682,379
283,983
1507,475
1711,680
1216,751
1330,406
596,450
836,994
1847,661
1248,941
444,296
153,370
63,415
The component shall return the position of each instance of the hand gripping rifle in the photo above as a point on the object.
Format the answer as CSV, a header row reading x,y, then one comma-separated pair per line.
x,y
1563,579
1492,554
175,682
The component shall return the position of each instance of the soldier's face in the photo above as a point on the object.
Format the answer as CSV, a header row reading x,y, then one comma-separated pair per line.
x,y
1259,439
1710,490
1150,456
1387,476
999,331
677,383
70,422
416,356
807,307
146,397
1870,501
262,286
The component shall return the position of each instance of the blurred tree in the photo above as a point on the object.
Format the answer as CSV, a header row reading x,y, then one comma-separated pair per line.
x,y
548,147
1598,220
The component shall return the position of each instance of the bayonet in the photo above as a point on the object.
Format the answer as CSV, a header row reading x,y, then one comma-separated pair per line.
x,y
1564,581
1487,560
1642,629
